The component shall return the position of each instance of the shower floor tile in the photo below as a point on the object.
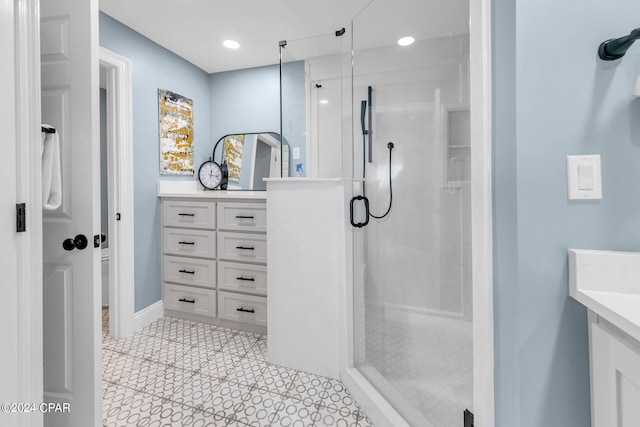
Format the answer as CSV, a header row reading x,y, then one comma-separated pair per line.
x,y
181,373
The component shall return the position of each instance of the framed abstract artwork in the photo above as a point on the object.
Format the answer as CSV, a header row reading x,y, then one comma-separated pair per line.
x,y
175,124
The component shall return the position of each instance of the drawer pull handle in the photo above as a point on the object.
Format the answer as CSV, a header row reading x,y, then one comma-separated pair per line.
x,y
186,243
244,217
190,301
186,214
186,271
244,310
246,279
245,248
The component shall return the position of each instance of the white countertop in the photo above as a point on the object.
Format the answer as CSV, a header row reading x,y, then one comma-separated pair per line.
x,y
192,189
303,179
608,283
620,309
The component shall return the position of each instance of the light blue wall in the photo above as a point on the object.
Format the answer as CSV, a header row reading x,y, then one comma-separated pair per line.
x,y
245,101
248,100
154,67
553,98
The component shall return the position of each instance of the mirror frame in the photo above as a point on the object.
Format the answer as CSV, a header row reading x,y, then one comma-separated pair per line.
x,y
282,147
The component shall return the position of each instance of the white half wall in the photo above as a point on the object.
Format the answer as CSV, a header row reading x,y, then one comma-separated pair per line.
x,y
309,233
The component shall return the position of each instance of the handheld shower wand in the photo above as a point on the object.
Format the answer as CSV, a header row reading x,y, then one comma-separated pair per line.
x,y
363,197
363,113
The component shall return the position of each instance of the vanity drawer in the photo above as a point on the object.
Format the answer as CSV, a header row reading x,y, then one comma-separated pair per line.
x,y
190,271
194,214
242,247
181,241
242,216
190,300
242,308
242,277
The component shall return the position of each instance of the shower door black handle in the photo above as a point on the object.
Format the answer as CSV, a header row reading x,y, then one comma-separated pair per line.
x,y
365,202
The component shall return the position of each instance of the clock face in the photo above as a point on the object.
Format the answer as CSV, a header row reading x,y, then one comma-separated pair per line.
x,y
210,175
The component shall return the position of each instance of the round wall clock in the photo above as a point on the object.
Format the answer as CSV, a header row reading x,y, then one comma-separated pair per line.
x,y
210,175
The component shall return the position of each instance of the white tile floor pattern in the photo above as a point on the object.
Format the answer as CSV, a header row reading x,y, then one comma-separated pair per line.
x,y
181,373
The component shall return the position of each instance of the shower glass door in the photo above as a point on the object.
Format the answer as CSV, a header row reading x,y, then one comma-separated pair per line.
x,y
412,269
315,86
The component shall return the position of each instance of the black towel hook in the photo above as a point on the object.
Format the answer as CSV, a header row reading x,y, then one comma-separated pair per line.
x,y
613,49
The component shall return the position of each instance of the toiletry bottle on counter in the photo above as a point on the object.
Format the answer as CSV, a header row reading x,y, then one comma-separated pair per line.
x,y
299,170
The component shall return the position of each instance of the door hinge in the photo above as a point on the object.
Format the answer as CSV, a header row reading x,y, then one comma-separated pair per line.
x,y
468,418
21,217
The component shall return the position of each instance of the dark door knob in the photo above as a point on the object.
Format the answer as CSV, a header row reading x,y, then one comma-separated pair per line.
x,y
78,242
81,241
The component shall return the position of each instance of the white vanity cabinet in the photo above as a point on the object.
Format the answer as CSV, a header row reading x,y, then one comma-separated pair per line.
x,y
605,282
189,252
242,270
214,257
615,375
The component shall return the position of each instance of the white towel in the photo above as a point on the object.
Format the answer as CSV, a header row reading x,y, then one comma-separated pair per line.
x,y
51,178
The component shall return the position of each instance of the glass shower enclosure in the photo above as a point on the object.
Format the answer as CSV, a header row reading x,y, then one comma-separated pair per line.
x,y
345,98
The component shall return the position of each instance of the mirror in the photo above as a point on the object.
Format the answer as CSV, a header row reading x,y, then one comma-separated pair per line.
x,y
251,157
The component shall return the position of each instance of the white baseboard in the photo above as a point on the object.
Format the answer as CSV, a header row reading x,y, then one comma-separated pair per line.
x,y
148,315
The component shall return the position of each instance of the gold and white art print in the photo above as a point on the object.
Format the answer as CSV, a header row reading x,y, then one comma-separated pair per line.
x,y
233,149
175,122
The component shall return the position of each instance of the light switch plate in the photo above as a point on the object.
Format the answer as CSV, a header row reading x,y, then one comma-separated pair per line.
x,y
584,178
296,153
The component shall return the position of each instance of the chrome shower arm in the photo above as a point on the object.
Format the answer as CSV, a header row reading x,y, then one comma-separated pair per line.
x,y
613,49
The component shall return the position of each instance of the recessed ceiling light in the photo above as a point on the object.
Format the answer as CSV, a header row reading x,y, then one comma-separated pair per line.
x,y
406,41
324,101
231,44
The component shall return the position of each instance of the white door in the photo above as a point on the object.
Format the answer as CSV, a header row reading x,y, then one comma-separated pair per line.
x,y
9,385
72,352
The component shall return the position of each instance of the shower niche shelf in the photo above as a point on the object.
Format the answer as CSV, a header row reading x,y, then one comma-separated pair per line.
x,y
456,145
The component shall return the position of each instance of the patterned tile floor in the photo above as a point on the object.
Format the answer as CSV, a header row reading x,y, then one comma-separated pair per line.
x,y
180,373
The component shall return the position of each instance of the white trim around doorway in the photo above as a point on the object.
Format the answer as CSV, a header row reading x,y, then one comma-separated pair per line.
x,y
118,73
482,213
29,191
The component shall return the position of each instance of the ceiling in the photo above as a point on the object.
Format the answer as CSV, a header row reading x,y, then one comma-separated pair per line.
x,y
195,29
